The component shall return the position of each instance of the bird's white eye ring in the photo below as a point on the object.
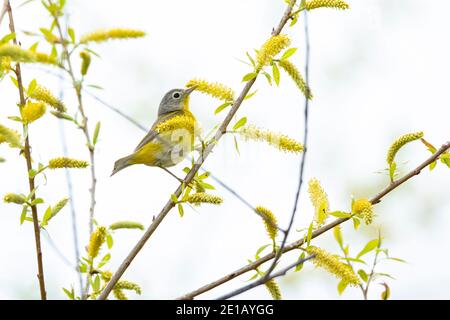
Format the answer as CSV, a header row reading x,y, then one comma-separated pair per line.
x,y
176,95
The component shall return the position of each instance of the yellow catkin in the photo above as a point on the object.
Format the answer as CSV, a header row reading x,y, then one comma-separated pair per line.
x,y
271,48
331,263
63,162
32,111
296,76
10,136
337,4
45,58
5,64
128,285
201,197
270,221
106,275
85,62
109,34
274,139
14,198
319,199
97,239
42,94
273,289
59,206
185,122
399,143
214,89
126,225
119,294
16,53
364,208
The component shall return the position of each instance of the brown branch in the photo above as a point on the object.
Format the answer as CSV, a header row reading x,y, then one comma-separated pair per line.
x,y
296,244
27,154
169,205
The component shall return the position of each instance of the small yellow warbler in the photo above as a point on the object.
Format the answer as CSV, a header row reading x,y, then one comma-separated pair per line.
x,y
171,137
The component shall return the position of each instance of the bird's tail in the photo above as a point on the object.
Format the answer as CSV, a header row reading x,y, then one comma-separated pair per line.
x,y
120,164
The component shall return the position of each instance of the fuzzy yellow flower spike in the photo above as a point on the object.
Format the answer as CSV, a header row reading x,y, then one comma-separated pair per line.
x,y
14,198
185,121
214,89
399,143
270,221
296,76
12,137
201,197
42,94
98,237
319,199
337,4
109,34
364,208
32,111
277,140
271,48
274,289
331,263
63,162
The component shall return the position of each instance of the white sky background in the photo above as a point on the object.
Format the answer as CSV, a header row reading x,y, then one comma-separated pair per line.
x,y
378,71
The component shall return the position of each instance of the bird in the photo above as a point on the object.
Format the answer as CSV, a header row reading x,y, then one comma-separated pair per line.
x,y
168,142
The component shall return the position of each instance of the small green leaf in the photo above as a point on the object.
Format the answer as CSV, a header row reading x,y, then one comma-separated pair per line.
x,y
236,145
174,198
96,284
354,259
250,58
338,236
222,107
23,215
342,285
300,266
276,74
261,249
96,132
7,38
47,216
14,80
71,34
386,293
31,87
241,122
268,77
104,260
396,259
248,96
249,76
69,294
356,222
371,245
288,53
109,241
340,214
363,275
180,210
309,236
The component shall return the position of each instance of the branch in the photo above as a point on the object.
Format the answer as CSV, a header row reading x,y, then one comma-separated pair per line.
x,y
27,154
264,279
189,177
294,245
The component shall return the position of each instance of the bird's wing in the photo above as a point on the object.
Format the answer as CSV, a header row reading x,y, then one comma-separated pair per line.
x,y
152,134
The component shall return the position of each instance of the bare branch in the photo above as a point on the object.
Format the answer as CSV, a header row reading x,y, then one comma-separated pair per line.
x,y
296,244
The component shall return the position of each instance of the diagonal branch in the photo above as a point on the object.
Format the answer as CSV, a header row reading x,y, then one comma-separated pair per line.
x,y
296,244
27,154
190,176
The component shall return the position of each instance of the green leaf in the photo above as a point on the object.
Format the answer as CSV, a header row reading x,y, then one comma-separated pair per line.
x,y
14,80
338,235
241,122
251,59
248,96
104,260
96,283
356,222
268,77
180,210
174,198
37,201
288,53
71,34
396,259
83,267
222,107
309,236
7,38
236,145
386,293
47,216
432,165
31,87
69,294
261,249
371,245
249,76
23,215
15,118
340,214
204,175
206,185
363,275
109,241
96,132
342,285
300,266
354,259
276,74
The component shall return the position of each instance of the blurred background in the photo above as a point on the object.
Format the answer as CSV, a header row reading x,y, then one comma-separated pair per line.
x,y
377,71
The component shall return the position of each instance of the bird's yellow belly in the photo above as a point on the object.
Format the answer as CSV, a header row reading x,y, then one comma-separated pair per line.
x,y
166,150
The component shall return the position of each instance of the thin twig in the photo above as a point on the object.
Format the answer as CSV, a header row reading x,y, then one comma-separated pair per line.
x,y
263,280
190,176
296,244
27,154
4,10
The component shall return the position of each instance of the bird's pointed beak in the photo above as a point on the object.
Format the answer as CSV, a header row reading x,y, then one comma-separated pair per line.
x,y
189,90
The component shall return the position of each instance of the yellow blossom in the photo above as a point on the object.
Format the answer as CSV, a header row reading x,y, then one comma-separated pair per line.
x,y
186,122
364,208
296,76
270,221
126,225
97,239
338,4
14,198
109,34
332,264
32,111
277,140
399,143
85,62
271,48
215,89
274,289
42,94
319,199
12,137
201,197
63,162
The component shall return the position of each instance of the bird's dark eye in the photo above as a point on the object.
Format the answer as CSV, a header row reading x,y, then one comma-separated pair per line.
x,y
176,95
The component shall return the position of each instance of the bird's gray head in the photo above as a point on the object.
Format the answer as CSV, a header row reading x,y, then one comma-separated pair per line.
x,y
175,100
